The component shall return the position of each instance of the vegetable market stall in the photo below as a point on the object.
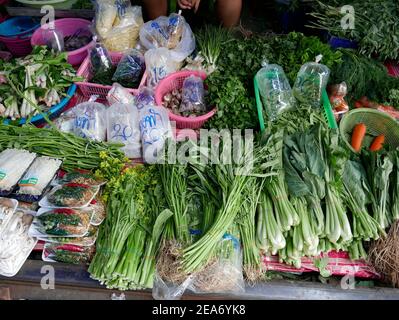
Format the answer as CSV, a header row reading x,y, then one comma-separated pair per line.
x,y
321,191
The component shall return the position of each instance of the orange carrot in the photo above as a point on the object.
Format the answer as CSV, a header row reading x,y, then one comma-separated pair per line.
x,y
357,136
377,143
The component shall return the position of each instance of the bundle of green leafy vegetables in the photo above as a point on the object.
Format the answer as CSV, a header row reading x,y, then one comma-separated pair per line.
x,y
374,25
365,77
35,83
231,85
128,240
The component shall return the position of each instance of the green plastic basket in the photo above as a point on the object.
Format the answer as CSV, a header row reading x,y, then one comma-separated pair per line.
x,y
328,113
376,122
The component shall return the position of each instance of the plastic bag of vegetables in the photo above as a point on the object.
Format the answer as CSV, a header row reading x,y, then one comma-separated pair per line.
x,y
101,67
275,90
61,223
311,80
67,253
130,69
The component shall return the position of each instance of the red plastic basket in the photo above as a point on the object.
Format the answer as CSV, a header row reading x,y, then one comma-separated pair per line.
x,y
88,89
175,81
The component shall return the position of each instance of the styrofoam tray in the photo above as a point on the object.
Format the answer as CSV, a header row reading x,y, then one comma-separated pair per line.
x,y
28,251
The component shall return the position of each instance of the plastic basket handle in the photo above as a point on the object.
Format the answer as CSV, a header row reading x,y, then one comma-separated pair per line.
x,y
332,123
259,105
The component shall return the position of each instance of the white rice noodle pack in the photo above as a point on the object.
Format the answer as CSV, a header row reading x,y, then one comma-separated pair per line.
x,y
38,176
13,164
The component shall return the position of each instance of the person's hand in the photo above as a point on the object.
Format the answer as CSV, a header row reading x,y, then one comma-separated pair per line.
x,y
189,4
184,4
195,4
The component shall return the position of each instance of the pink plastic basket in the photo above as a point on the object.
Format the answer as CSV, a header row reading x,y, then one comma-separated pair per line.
x,y
68,27
18,46
88,89
175,81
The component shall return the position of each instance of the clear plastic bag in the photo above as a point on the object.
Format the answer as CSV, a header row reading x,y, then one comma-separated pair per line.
x,y
159,63
224,274
275,90
54,39
337,95
145,98
123,126
155,129
312,79
130,69
171,32
118,24
119,94
67,253
61,223
100,60
193,94
38,176
89,120
166,291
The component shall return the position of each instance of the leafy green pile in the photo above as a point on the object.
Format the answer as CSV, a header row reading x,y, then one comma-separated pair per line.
x,y
128,240
375,27
364,77
231,85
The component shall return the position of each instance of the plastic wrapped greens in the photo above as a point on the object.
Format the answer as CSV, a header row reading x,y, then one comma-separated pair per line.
x,y
312,79
61,223
101,67
275,90
67,253
130,69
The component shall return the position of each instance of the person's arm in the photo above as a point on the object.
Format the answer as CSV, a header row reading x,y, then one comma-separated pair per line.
x,y
229,12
